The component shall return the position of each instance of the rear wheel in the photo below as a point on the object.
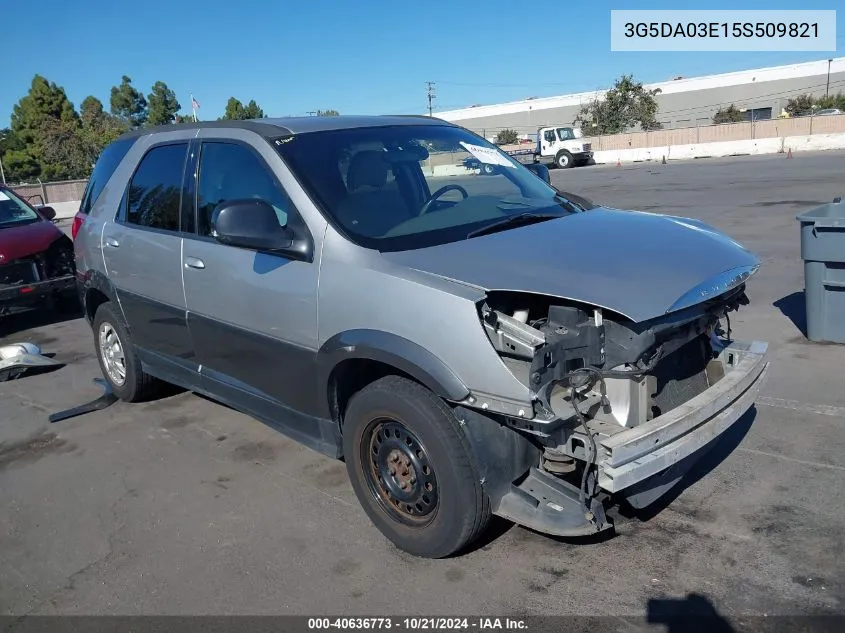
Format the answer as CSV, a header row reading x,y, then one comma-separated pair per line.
x,y
117,358
488,169
412,468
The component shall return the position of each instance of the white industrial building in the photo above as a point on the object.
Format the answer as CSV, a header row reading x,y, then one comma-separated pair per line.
x,y
683,102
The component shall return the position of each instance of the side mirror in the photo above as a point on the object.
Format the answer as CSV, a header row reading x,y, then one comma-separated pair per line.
x,y
250,223
541,171
48,212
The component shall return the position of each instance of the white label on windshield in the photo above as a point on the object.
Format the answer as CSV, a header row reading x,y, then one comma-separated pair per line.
x,y
487,155
3,196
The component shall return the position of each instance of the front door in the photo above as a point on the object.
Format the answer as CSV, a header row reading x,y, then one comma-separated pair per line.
x,y
252,315
548,141
142,254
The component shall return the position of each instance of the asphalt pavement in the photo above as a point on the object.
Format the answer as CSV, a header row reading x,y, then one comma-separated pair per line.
x,y
182,506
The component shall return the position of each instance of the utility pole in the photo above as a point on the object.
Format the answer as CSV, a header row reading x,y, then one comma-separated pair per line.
x,y
431,95
827,88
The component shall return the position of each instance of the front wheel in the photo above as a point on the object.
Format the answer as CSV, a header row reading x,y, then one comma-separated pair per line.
x,y
412,468
563,159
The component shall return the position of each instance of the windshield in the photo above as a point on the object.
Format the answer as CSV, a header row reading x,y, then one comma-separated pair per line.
x,y
14,211
403,187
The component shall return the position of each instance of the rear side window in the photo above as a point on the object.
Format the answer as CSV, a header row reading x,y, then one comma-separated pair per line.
x,y
109,160
155,192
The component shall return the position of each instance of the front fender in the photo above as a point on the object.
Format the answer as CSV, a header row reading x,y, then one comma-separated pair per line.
x,y
393,350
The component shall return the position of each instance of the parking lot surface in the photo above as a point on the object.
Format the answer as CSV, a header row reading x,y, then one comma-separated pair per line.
x,y
182,506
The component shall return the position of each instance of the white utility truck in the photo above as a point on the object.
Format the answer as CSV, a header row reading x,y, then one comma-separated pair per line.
x,y
562,146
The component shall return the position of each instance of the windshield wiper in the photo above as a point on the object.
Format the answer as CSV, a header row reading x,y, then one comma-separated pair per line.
x,y
520,219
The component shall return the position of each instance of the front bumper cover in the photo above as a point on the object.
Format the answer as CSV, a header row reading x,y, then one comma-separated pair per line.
x,y
649,449
28,293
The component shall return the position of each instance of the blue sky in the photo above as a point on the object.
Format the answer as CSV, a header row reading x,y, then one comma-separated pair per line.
x,y
356,57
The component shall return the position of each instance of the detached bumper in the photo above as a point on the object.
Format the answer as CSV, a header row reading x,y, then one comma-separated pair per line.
x,y
28,293
648,449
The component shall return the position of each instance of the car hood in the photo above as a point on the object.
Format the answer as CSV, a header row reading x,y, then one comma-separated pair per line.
x,y
27,239
641,265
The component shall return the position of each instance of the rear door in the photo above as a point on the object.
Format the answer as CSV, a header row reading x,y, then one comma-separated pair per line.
x,y
142,252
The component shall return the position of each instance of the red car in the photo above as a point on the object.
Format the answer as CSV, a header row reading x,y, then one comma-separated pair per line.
x,y
36,258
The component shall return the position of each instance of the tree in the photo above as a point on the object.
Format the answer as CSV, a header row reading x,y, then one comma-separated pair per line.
x,y
234,110
162,105
36,121
731,114
507,137
99,128
800,105
624,106
185,118
328,113
237,111
252,111
128,104
832,101
65,152
18,164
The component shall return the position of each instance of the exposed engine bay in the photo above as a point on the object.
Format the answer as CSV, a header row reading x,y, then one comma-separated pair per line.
x,y
594,373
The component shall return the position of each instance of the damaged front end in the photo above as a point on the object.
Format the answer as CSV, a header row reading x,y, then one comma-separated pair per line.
x,y
620,409
30,279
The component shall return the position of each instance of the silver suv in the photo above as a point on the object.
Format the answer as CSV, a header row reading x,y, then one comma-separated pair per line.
x,y
468,345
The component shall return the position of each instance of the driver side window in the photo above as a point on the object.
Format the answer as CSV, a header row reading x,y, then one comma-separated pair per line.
x,y
230,171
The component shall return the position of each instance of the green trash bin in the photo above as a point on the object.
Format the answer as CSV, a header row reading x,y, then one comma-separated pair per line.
x,y
823,252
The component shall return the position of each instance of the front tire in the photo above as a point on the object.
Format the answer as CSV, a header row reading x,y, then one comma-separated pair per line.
x,y
118,360
412,468
563,159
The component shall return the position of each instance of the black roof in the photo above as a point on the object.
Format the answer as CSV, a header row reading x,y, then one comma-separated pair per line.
x,y
272,127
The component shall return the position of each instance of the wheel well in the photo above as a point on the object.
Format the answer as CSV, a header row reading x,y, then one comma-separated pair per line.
x,y
93,300
352,375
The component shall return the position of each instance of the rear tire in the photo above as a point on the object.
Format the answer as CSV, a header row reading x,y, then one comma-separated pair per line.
x,y
488,169
118,360
412,468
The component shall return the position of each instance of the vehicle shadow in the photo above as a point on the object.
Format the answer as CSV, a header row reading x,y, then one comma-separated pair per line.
x,y
693,614
42,316
704,461
793,307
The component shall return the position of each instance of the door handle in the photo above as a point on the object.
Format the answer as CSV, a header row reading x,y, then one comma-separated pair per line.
x,y
110,241
194,262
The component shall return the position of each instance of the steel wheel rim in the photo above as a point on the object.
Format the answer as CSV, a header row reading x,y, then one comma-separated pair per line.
x,y
392,455
112,355
564,161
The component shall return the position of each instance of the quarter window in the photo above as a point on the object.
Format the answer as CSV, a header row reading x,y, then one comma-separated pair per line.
x,y
155,191
230,171
103,170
